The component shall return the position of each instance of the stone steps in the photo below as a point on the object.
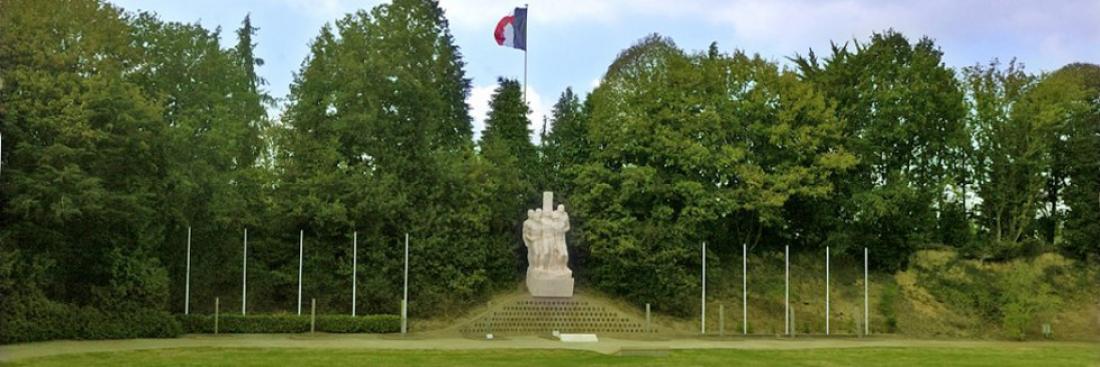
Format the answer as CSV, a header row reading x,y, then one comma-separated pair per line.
x,y
533,316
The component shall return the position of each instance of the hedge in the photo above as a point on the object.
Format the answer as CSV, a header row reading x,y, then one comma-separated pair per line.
x,y
28,319
286,323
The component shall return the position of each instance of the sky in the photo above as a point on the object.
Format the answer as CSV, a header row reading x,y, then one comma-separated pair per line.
x,y
571,42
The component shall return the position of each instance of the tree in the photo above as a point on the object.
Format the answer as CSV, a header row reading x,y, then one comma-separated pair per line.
x,y
213,116
692,148
512,163
564,147
84,159
1004,160
903,116
1082,195
377,139
506,130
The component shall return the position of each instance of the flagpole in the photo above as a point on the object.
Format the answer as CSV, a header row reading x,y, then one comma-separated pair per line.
x,y
354,267
524,76
187,286
525,46
301,257
244,274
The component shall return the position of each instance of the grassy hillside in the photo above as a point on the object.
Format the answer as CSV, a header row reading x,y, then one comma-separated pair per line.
x,y
939,295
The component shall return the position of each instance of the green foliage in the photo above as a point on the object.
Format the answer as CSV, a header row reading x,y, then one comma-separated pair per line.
x,y
214,113
136,281
887,306
1016,295
377,139
1033,137
506,131
125,133
695,148
511,175
31,317
1015,122
565,146
121,130
82,175
287,323
360,324
903,118
1026,299
1082,195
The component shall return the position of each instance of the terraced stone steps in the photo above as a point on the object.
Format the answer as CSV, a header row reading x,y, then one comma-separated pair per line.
x,y
532,316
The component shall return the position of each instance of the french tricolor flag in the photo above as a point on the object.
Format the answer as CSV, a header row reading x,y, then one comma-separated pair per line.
x,y
511,30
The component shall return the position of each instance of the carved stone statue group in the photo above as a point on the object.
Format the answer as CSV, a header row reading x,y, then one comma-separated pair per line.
x,y
548,273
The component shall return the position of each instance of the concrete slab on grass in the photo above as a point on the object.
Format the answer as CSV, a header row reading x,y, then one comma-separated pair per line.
x,y
579,338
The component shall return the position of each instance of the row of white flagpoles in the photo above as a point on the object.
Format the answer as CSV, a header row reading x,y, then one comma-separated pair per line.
x,y
301,258
787,292
405,295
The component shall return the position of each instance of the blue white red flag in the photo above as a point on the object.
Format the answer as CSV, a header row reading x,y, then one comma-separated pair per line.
x,y
511,30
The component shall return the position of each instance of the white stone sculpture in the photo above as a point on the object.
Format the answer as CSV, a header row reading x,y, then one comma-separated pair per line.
x,y
548,273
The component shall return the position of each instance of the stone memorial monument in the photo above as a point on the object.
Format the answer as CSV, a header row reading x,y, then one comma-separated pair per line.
x,y
548,273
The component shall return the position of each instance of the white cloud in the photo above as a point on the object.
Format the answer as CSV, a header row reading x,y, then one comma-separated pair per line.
x,y
782,27
595,83
479,106
479,109
478,13
329,10
539,110
792,24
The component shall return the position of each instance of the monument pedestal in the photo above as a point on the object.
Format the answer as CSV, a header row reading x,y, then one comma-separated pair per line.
x,y
558,287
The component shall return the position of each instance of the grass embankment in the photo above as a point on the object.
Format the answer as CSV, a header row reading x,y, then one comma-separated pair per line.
x,y
1001,357
940,294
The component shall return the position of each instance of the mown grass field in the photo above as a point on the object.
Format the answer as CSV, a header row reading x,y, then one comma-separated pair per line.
x,y
1023,355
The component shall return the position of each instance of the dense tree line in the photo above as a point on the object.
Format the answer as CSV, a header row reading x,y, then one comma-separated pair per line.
x,y
877,145
121,131
377,138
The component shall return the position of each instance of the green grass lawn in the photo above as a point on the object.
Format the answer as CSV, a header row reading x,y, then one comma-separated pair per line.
x,y
916,356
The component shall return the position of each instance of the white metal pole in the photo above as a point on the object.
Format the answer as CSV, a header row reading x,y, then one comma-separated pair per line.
x,y
525,47
405,300
787,289
744,289
244,274
187,283
826,290
703,297
354,266
866,309
301,257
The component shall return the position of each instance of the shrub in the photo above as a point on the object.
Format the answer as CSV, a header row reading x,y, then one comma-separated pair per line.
x,y
887,307
1015,295
30,318
1026,298
286,323
365,324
